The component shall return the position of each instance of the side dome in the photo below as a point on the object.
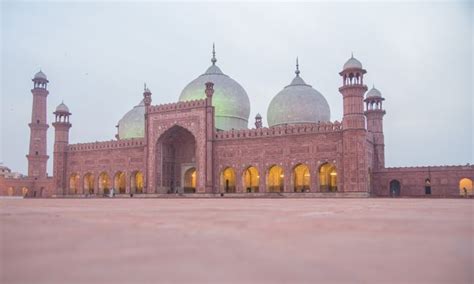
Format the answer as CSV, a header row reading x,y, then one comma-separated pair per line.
x,y
372,93
298,103
132,124
230,100
352,63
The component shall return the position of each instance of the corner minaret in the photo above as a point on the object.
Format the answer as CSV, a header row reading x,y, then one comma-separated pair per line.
x,y
147,101
61,126
353,90
37,157
374,113
355,162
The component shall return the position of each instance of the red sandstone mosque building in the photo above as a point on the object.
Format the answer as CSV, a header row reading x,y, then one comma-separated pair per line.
x,y
202,146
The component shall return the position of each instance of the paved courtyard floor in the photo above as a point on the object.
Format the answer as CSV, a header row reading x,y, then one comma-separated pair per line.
x,y
237,241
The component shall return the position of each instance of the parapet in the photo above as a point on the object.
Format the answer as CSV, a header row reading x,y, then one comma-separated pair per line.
x,y
429,168
112,144
284,130
178,106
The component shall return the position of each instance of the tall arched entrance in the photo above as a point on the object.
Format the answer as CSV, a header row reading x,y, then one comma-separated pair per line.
x,y
136,182
89,184
395,188
275,179
328,178
104,183
119,182
465,187
251,179
175,156
74,184
189,180
301,178
228,180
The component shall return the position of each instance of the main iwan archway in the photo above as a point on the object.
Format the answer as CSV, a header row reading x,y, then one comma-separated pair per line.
x,y
175,155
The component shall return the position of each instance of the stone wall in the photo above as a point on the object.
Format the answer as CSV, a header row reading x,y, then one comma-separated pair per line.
x,y
443,180
26,186
284,146
109,157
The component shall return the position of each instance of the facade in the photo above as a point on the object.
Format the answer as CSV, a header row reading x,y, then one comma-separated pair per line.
x,y
201,146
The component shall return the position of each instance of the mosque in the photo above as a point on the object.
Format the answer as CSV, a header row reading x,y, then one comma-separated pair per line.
x,y
201,146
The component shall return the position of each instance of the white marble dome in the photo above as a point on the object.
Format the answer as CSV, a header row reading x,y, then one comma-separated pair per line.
x,y
298,103
352,63
373,93
62,108
40,75
230,100
132,124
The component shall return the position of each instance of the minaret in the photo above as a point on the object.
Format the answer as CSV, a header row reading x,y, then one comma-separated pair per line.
x,y
374,113
147,102
258,121
37,157
355,164
61,140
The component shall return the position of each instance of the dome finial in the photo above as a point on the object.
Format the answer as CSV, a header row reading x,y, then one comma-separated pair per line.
x,y
144,86
352,54
297,72
213,60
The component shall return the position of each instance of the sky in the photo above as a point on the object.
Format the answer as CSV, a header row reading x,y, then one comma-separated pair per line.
x,y
97,55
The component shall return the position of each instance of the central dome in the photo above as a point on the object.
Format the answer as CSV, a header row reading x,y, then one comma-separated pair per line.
x,y
231,103
298,103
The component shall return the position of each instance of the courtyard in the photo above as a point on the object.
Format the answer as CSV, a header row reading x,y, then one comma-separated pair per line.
x,y
237,240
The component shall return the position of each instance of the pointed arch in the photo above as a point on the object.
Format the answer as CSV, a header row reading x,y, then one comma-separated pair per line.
x,y
120,182
136,182
251,179
190,176
275,179
465,187
228,180
301,178
175,155
105,183
395,188
88,185
74,183
328,177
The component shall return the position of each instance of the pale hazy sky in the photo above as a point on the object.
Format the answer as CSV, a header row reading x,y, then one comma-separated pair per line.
x,y
97,55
